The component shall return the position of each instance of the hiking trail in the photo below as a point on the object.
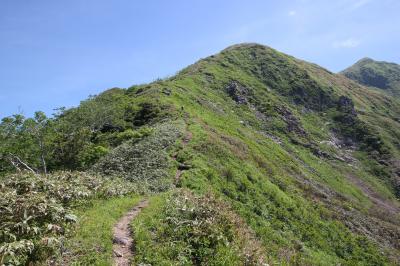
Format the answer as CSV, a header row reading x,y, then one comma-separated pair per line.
x,y
123,243
188,137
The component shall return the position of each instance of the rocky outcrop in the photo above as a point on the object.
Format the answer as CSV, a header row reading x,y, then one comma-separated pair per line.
x,y
238,92
293,124
346,105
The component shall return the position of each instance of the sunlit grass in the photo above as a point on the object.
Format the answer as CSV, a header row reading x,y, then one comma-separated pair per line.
x,y
92,242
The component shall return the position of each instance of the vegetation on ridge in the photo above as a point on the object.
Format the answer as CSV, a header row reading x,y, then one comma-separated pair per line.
x,y
296,163
379,74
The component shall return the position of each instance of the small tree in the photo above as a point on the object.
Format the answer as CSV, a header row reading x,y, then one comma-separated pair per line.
x,y
23,142
13,143
36,129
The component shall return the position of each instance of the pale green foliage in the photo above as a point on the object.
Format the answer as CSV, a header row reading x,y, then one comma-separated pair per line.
x,y
195,230
35,210
15,253
145,162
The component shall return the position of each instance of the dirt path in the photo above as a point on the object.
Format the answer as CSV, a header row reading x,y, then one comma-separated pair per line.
x,y
188,137
122,236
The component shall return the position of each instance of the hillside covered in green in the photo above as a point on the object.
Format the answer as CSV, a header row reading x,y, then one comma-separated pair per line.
x,y
379,74
247,157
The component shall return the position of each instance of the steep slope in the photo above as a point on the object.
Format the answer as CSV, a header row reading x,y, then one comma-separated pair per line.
x,y
277,137
287,162
379,74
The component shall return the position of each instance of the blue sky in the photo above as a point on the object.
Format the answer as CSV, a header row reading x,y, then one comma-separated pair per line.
x,y
56,53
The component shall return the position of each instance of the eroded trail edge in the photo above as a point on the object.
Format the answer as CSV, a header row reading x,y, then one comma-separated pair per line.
x,y
122,236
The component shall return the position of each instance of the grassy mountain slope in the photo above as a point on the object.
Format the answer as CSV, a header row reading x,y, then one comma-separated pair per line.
x,y
279,122
301,164
379,74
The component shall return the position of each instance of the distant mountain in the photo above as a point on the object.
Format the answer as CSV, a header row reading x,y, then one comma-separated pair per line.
x,y
379,74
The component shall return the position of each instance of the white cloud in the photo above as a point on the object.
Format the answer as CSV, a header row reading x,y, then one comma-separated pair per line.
x,y
348,43
292,12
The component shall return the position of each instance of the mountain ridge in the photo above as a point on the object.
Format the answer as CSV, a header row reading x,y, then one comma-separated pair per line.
x,y
380,74
306,161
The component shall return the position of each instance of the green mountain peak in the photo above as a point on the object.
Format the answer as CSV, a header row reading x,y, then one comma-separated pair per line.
x,y
247,157
379,74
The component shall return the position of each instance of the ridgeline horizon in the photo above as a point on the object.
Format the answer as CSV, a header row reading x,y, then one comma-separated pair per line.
x,y
247,157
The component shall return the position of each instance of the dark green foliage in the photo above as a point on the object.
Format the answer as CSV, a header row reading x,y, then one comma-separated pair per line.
x,y
279,73
24,143
76,138
79,128
147,112
117,138
355,130
307,159
382,75
91,154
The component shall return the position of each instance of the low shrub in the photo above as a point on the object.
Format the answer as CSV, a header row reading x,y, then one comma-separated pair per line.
x,y
36,209
197,230
145,162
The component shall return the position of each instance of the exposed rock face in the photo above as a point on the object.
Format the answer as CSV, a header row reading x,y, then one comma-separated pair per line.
x,y
167,91
347,118
237,92
346,105
293,124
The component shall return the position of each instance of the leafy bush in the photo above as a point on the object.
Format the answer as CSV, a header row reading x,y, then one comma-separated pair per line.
x,y
197,230
148,111
145,162
133,134
92,153
35,211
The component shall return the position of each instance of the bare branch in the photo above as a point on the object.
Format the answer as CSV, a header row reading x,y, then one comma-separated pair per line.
x,y
19,161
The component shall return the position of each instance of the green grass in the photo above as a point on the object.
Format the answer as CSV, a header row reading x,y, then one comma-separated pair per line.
x,y
299,204
92,242
379,74
147,218
294,200
181,228
261,178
